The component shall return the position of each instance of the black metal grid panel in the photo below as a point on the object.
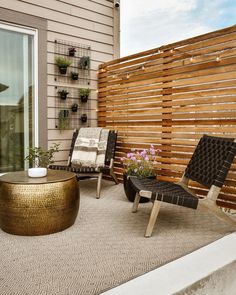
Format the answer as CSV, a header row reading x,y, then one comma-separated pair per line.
x,y
72,98
72,86
62,49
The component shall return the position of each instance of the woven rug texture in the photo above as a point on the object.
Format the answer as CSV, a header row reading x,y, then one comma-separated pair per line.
x,y
104,248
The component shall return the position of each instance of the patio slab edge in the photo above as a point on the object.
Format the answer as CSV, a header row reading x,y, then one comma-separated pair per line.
x,y
178,276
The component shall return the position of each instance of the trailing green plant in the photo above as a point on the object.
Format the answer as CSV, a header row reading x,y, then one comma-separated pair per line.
x,y
84,62
63,119
38,157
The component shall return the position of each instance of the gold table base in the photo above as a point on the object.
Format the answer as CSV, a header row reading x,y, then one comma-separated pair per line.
x,y
38,209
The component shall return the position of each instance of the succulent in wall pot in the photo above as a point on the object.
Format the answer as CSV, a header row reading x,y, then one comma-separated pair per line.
x,y
64,120
63,94
84,94
74,107
62,63
72,51
84,118
84,63
74,76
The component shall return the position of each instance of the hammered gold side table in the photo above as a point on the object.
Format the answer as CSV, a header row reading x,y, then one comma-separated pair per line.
x,y
38,206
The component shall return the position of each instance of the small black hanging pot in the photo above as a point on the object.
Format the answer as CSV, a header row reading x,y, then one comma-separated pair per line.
x,y
63,94
74,107
83,118
74,76
72,51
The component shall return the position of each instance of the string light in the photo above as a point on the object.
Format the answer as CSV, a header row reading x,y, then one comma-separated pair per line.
x,y
218,59
143,67
191,59
113,76
127,76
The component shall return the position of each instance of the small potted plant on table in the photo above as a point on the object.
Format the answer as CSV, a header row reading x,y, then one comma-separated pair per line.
x,y
139,164
62,63
84,94
40,159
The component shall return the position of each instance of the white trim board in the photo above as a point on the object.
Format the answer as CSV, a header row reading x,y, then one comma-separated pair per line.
x,y
183,272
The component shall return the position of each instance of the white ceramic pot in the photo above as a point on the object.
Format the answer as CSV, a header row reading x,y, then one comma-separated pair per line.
x,y
37,172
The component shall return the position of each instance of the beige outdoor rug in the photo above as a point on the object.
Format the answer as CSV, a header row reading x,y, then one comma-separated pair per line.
x,y
104,248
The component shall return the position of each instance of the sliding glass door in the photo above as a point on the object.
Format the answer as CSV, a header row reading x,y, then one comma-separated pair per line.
x,y
18,96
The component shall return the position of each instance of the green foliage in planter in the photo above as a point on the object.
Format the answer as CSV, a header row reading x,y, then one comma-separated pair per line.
x,y
84,62
38,157
62,62
63,119
84,91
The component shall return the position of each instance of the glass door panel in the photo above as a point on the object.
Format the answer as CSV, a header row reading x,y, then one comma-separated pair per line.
x,y
16,98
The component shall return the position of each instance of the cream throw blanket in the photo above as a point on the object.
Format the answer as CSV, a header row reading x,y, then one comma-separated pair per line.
x,y
90,147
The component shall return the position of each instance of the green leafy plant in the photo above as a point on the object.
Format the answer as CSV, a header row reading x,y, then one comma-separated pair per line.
x,y
63,119
84,62
38,157
84,91
62,62
140,164
84,94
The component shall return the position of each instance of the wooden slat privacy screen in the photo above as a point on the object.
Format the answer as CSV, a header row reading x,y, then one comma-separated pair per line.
x,y
170,97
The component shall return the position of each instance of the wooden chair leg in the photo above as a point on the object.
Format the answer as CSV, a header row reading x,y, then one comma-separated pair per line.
x,y
114,176
99,185
153,218
210,206
136,203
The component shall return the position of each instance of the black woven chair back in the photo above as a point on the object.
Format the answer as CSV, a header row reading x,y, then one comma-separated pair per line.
x,y
211,160
75,134
111,145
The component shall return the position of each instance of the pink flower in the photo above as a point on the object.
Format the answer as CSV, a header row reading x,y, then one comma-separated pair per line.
x,y
152,151
133,159
146,158
129,155
143,153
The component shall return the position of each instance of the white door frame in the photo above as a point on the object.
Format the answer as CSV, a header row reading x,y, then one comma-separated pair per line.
x,y
33,32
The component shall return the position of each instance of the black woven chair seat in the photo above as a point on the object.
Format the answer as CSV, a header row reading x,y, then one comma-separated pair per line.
x,y
165,191
83,169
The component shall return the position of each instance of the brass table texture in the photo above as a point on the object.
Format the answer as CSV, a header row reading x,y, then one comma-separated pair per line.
x,y
38,206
